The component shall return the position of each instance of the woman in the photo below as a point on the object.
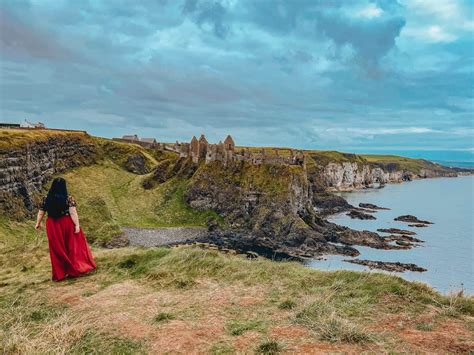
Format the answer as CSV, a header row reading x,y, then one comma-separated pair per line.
x,y
68,249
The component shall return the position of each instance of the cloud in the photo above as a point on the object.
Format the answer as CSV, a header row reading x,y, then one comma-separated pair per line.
x,y
370,11
272,72
431,34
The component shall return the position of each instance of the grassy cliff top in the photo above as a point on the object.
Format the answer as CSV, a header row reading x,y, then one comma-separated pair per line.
x,y
324,157
394,162
10,138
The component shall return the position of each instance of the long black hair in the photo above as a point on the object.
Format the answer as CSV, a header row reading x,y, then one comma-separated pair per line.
x,y
56,200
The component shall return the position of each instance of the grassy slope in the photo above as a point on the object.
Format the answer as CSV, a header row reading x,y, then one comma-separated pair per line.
x,y
192,300
110,197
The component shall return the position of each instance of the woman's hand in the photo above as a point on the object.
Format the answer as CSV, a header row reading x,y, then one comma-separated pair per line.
x,y
38,226
77,229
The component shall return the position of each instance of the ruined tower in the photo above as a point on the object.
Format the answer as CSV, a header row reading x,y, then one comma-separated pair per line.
x,y
229,143
194,149
203,145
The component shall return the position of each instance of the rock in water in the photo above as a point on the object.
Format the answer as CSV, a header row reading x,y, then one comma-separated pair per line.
x,y
371,206
411,219
387,266
418,225
402,238
396,231
354,214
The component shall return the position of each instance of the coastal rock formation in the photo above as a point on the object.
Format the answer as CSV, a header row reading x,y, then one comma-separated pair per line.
x,y
387,266
347,176
355,214
396,231
371,206
402,238
24,169
269,209
411,219
327,203
346,172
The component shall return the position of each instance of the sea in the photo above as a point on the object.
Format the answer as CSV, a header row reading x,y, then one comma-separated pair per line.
x,y
448,250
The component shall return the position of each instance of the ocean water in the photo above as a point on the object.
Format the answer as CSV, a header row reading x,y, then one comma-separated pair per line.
x,y
448,251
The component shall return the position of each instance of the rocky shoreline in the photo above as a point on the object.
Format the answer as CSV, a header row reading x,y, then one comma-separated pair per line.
x,y
387,266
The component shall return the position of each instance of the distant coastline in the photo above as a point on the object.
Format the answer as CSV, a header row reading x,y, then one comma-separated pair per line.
x,y
455,164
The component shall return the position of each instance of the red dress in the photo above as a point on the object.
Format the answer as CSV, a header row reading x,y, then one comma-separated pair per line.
x,y
70,254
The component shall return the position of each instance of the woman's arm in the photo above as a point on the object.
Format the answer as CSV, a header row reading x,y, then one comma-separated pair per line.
x,y
75,218
39,218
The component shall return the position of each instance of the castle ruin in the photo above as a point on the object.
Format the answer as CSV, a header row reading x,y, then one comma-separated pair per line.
x,y
201,150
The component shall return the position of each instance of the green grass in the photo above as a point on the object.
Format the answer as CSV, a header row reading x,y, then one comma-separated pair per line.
x,y
222,348
163,317
426,327
269,347
393,162
239,327
93,342
322,157
109,198
287,304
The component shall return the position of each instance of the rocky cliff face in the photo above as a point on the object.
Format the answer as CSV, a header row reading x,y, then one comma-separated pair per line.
x,y
346,176
270,210
26,168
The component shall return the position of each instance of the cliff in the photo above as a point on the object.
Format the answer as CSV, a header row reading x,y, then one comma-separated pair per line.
x,y
269,209
25,166
30,158
334,171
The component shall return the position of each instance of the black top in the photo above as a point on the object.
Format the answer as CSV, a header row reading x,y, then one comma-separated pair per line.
x,y
71,202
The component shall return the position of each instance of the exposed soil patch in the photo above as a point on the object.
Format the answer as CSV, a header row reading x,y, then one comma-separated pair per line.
x,y
446,335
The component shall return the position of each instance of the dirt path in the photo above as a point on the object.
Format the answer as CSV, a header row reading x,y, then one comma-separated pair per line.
x,y
157,237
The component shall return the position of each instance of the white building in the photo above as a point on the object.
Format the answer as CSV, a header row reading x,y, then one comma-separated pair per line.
x,y
28,124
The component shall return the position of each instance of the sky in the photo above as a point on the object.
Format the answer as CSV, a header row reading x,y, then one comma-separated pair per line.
x,y
361,76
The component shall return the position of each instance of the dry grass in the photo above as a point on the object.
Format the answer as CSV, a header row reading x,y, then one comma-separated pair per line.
x,y
187,300
18,137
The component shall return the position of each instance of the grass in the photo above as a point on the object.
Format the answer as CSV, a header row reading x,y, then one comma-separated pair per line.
x,y
222,348
109,198
321,157
226,304
239,327
203,287
287,304
163,317
269,347
19,137
393,162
